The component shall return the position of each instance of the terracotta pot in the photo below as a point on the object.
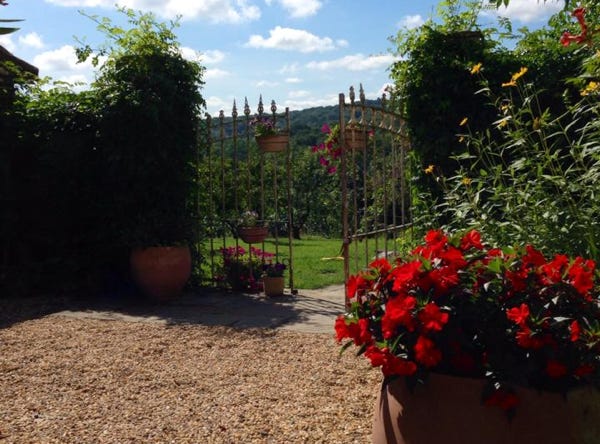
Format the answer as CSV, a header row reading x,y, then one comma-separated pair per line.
x,y
449,410
275,143
161,272
273,285
253,235
355,139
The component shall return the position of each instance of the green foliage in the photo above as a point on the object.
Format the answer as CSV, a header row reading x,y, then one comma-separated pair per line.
x,y
436,87
538,184
151,110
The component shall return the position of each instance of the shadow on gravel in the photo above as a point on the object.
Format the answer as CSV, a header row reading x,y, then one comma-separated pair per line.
x,y
207,306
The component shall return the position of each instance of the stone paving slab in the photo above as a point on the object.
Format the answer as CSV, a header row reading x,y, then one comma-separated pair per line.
x,y
310,311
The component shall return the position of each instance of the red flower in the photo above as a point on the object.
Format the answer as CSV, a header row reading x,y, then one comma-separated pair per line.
x,y
405,274
554,270
575,330
527,340
555,369
518,315
504,399
426,352
381,265
533,257
584,370
517,279
390,364
471,240
581,274
398,311
357,331
443,279
432,318
435,241
356,283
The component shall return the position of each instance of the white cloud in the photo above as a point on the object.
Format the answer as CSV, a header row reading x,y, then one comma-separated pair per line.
x,y
189,53
299,8
411,21
33,40
293,80
212,56
61,64
216,11
298,94
214,104
215,73
289,69
266,83
356,62
311,102
528,10
290,39
7,42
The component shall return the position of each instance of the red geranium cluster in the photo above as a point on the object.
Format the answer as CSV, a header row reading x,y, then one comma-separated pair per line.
x,y
457,307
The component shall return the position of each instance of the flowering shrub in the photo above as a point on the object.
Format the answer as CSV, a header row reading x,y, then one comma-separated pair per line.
x,y
242,268
271,269
459,307
330,150
264,126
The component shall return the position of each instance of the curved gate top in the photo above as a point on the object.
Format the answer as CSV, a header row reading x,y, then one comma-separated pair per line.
x,y
375,196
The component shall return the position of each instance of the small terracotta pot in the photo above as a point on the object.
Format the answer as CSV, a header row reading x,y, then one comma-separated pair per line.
x,y
275,143
161,272
253,235
449,410
274,285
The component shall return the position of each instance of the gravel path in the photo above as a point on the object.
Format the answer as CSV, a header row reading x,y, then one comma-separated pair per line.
x,y
65,380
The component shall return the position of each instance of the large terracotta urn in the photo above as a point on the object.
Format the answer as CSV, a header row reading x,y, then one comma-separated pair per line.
x,y
161,272
449,410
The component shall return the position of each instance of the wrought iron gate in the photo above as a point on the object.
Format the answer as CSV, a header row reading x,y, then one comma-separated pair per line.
x,y
375,195
238,177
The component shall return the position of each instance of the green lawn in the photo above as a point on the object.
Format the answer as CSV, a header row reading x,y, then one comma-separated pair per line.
x,y
317,261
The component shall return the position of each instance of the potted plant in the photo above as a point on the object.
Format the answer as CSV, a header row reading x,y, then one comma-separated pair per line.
x,y
273,280
478,343
242,268
269,137
251,229
148,133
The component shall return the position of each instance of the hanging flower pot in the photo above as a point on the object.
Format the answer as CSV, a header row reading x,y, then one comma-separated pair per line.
x,y
253,235
273,143
274,285
448,409
355,139
161,272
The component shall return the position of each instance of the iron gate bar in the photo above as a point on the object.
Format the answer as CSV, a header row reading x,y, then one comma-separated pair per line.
x,y
373,211
234,133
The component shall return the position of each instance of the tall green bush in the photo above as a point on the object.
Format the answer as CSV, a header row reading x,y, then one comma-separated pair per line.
x,y
151,112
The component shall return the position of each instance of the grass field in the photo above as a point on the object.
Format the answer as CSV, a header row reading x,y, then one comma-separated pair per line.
x,y
317,261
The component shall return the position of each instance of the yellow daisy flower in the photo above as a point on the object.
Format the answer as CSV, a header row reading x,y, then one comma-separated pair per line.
x,y
466,181
476,68
429,169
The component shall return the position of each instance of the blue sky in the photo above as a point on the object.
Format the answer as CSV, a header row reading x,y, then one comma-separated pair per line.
x,y
301,53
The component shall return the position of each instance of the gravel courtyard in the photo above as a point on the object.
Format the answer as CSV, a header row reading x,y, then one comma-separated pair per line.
x,y
69,380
